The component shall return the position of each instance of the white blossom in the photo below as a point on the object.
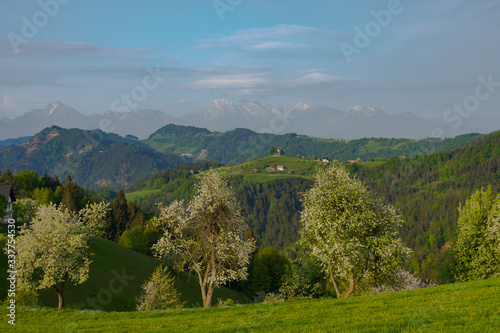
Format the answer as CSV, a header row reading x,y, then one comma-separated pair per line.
x,y
206,236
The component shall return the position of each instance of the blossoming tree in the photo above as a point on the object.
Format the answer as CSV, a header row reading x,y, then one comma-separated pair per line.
x,y
206,236
55,247
352,234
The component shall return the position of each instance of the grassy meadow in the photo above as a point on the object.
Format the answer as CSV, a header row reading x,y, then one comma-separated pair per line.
x,y
115,279
461,307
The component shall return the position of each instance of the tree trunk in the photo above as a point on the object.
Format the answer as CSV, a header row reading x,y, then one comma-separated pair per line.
x,y
202,286
208,300
352,286
333,281
61,300
60,292
60,297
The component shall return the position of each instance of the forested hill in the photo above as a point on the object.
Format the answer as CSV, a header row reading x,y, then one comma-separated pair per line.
x,y
426,189
240,145
93,158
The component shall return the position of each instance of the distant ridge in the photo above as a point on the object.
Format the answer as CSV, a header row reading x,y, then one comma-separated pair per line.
x,y
223,115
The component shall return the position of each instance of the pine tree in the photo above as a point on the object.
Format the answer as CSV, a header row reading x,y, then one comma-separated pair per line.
x,y
117,220
71,196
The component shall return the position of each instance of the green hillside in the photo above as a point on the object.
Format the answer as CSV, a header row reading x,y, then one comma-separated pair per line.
x,y
264,169
112,260
93,158
461,307
241,145
426,189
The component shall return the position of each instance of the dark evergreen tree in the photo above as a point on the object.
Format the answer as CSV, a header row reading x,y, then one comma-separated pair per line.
x,y
7,178
136,216
71,195
50,182
118,219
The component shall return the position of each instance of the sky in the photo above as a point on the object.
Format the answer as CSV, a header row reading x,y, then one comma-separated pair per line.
x,y
177,56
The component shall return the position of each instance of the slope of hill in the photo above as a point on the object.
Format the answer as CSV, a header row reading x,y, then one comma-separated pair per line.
x,y
13,142
426,189
115,279
240,145
463,307
93,158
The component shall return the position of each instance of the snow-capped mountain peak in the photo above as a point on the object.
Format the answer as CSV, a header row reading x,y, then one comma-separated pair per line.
x,y
365,111
55,109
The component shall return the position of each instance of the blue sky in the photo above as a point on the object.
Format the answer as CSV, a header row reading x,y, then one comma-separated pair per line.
x,y
423,58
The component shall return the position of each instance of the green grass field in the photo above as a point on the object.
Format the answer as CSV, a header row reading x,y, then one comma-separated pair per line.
x,y
132,196
258,170
115,279
464,307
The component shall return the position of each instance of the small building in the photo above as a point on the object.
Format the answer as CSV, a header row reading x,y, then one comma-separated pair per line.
x,y
8,194
280,168
271,169
325,159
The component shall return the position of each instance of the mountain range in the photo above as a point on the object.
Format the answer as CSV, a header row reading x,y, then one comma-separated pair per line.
x,y
223,115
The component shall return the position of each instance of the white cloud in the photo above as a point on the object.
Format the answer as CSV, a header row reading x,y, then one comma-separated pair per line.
x,y
283,34
233,81
314,79
280,46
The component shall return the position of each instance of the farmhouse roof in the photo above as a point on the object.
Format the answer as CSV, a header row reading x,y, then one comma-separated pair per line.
x,y
6,191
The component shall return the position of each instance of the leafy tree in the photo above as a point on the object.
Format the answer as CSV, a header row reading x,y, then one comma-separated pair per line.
x,y
139,240
272,151
44,196
55,247
159,292
27,180
477,249
305,278
267,270
206,236
25,210
352,234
